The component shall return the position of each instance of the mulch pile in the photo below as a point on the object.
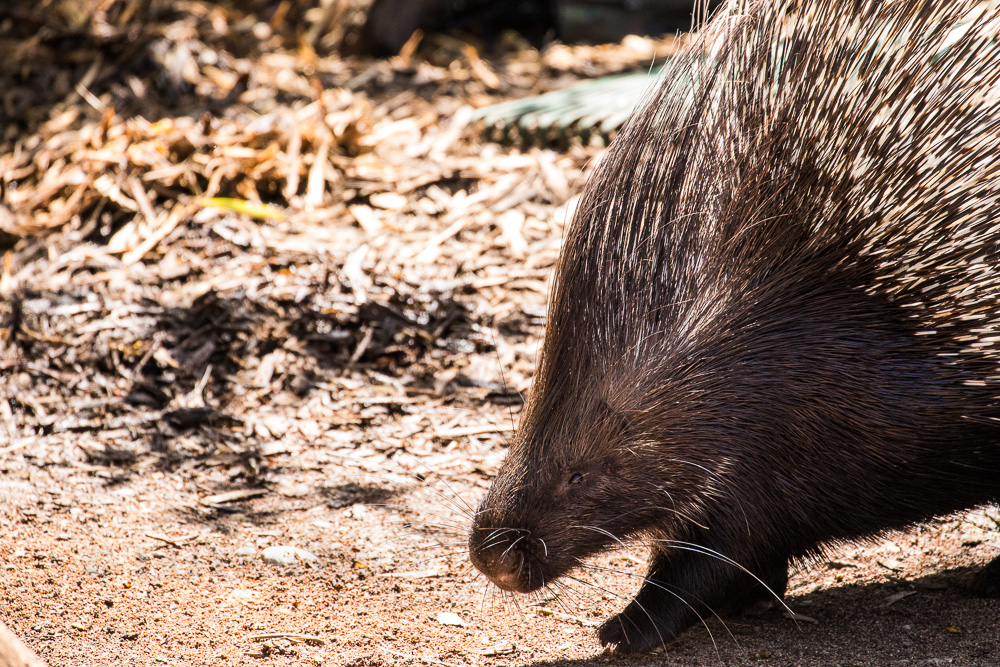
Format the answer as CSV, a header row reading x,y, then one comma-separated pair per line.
x,y
205,209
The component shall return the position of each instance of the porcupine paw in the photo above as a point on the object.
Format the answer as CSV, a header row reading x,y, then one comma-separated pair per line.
x,y
986,582
625,634
759,596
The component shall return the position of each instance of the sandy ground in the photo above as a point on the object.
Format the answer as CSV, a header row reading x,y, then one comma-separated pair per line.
x,y
102,567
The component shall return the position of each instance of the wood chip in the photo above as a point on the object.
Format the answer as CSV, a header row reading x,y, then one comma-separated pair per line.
x,y
312,640
232,496
366,218
391,201
464,431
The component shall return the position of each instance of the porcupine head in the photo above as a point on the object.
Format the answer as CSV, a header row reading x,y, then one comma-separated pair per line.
x,y
774,313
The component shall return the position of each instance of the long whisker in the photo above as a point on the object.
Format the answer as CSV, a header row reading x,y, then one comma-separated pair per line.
x,y
494,538
726,483
461,506
444,520
699,549
639,605
678,596
503,378
561,591
417,484
507,550
597,529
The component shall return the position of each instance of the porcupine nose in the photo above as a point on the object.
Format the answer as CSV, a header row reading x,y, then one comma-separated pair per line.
x,y
503,564
506,573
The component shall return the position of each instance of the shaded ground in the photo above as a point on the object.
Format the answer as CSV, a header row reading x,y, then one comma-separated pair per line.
x,y
186,385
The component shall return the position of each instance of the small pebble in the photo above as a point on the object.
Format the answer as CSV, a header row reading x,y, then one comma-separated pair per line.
x,y
450,618
285,555
246,551
890,564
244,596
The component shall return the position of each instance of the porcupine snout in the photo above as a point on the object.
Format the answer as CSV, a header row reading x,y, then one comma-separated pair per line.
x,y
502,555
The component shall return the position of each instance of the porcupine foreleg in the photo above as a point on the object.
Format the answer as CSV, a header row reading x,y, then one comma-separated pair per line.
x,y
683,586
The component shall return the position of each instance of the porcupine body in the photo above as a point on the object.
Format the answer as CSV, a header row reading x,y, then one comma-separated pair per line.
x,y
776,316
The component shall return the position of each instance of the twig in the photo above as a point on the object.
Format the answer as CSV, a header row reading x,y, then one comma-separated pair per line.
x,y
471,430
20,445
308,639
178,543
232,496
410,656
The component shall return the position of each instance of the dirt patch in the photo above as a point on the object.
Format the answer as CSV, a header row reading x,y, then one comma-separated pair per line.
x,y
104,568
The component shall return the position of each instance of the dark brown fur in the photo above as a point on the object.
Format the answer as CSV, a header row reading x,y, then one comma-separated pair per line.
x,y
775,317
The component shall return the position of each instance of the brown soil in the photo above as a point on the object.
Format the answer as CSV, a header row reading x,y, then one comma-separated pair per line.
x,y
185,385
108,567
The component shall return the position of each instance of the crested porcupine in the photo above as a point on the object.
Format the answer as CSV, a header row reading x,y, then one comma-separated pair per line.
x,y
776,314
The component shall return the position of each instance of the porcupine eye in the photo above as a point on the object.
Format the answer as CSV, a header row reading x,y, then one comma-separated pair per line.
x,y
576,478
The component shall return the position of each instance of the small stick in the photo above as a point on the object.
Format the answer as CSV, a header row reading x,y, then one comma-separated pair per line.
x,y
16,446
179,543
410,656
308,639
